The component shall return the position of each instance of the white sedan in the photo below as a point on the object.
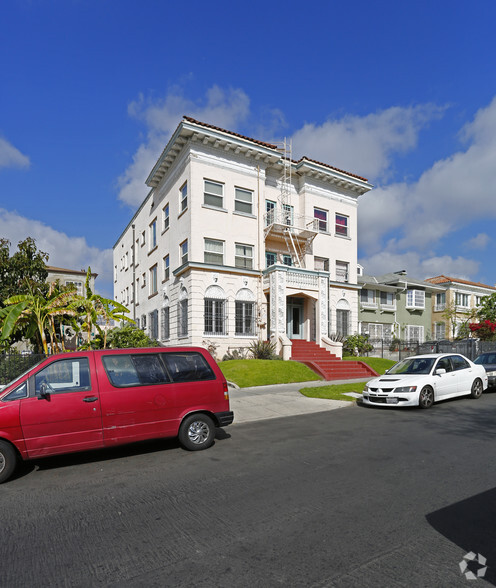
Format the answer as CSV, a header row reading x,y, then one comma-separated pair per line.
x,y
422,380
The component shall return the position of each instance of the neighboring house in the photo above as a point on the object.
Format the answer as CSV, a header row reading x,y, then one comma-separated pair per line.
x,y
452,308
236,241
395,305
67,277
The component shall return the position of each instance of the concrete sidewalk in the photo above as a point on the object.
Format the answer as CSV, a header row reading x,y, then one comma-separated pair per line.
x,y
281,400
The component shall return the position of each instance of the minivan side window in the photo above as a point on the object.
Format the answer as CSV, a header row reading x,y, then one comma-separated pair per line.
x,y
65,375
188,367
134,370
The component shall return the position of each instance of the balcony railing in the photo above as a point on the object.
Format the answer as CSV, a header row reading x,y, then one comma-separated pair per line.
x,y
286,220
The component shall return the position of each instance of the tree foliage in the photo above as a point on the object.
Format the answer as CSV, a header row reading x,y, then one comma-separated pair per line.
x,y
128,336
487,308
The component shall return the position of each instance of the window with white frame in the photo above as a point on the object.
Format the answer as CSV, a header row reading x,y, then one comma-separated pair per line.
x,y
415,299
183,249
321,217
462,299
414,334
367,297
183,197
440,330
215,311
245,312
153,317
387,300
440,303
321,263
214,252
287,211
166,268
153,234
213,194
342,321
342,271
478,300
77,285
164,323
342,228
243,256
182,313
243,200
165,217
270,212
270,258
153,280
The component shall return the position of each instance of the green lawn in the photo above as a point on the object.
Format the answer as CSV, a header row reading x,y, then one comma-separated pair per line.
x,y
263,372
333,392
378,364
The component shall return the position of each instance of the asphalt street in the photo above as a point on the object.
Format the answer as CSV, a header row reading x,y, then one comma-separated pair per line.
x,y
339,498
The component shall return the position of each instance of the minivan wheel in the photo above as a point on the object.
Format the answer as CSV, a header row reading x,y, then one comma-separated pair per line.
x,y
426,397
476,389
8,461
197,432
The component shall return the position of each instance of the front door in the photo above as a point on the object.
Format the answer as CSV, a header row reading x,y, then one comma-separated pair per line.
x,y
294,318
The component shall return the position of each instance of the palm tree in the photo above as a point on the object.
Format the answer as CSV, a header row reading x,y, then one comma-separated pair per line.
x,y
36,312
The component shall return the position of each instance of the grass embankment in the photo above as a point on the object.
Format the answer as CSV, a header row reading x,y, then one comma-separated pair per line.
x,y
263,372
337,391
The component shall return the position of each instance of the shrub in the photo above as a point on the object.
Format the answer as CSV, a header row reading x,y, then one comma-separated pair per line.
x,y
262,350
357,345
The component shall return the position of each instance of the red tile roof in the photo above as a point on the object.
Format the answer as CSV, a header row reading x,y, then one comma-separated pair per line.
x,y
446,279
270,146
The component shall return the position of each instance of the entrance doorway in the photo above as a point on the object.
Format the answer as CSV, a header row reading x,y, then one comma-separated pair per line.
x,y
294,318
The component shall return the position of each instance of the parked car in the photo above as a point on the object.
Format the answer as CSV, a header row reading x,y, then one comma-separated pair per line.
x,y
421,380
88,400
488,360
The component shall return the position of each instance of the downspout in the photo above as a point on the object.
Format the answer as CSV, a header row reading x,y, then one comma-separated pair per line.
x,y
260,243
134,274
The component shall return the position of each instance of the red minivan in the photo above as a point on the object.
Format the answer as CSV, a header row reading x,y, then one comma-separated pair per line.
x,y
93,399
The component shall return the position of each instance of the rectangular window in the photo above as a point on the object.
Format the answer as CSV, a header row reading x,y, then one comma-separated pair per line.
x,y
287,211
270,212
270,258
164,323
414,334
243,256
153,280
77,285
153,234
415,299
462,299
143,322
213,194
214,252
387,299
184,252
182,317
342,271
166,268
166,219
215,318
440,331
153,316
245,318
287,260
183,197
143,238
321,217
440,301
343,322
243,201
367,297
342,225
321,264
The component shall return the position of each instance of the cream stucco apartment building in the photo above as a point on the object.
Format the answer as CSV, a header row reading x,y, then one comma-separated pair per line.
x,y
237,241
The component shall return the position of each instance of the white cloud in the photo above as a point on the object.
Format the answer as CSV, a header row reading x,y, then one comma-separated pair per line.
x,y
480,241
10,156
365,145
448,196
223,108
64,251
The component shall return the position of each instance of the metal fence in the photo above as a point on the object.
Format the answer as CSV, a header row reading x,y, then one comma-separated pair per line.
x,y
397,349
15,364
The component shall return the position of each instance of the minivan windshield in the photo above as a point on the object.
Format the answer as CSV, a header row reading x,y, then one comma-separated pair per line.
x,y
413,365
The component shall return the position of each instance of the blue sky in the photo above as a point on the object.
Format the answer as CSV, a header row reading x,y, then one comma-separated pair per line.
x,y
401,93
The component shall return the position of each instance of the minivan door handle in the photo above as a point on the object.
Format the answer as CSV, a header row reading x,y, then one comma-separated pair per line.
x,y
90,399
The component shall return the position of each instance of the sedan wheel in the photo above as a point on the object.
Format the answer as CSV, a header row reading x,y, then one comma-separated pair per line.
x,y
426,397
476,389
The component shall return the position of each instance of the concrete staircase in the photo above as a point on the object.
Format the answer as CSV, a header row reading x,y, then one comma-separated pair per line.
x,y
328,365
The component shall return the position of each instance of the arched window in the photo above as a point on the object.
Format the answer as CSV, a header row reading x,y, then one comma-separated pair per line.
x,y
245,312
182,313
215,311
